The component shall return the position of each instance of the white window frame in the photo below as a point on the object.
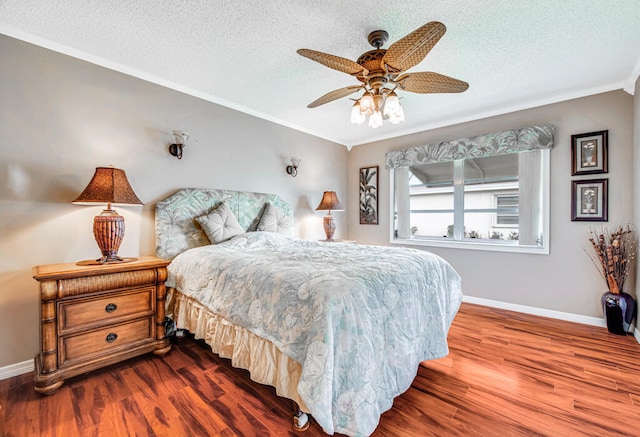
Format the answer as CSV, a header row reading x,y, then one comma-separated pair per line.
x,y
485,244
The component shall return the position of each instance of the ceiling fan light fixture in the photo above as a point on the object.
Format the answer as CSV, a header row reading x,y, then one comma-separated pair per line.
x,y
367,105
357,117
378,102
391,105
375,120
381,71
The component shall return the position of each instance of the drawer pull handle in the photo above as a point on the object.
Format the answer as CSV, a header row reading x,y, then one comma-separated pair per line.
x,y
111,337
111,307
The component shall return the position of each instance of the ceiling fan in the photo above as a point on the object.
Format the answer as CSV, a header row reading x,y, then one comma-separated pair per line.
x,y
382,71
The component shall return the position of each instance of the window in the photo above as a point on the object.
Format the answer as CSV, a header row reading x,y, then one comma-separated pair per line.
x,y
498,201
507,210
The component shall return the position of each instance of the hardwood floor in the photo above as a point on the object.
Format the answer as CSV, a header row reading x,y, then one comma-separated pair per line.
x,y
507,374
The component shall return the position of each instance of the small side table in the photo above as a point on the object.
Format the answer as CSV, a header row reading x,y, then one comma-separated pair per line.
x,y
92,316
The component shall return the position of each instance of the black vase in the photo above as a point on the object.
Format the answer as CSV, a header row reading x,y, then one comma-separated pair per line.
x,y
619,310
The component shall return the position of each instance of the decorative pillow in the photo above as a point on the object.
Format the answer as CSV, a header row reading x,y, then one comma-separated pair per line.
x,y
274,220
220,224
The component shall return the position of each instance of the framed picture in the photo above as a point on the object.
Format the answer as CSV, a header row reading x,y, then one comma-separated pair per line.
x,y
369,195
589,153
589,200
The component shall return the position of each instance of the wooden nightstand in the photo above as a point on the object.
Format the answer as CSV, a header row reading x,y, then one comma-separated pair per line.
x,y
94,316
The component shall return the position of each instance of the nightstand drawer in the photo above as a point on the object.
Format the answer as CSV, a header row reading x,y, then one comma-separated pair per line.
x,y
110,337
79,312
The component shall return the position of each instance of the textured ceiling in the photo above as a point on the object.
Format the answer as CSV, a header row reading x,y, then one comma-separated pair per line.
x,y
242,54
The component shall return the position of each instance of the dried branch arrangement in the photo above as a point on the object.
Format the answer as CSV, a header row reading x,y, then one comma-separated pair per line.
x,y
614,255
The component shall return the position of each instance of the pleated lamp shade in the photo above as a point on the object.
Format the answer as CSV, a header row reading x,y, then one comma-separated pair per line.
x,y
108,185
329,202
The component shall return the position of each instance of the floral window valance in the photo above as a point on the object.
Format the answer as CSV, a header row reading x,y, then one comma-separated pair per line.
x,y
498,143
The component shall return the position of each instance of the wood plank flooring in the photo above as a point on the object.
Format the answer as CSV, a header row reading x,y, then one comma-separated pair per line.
x,y
507,374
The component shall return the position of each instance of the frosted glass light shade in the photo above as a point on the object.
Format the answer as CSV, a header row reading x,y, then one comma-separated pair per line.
x,y
375,120
391,105
366,104
356,116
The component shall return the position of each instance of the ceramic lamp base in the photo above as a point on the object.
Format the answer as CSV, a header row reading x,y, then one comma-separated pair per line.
x,y
329,226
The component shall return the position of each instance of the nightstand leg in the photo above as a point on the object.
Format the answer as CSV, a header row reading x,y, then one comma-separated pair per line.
x,y
49,389
41,383
163,351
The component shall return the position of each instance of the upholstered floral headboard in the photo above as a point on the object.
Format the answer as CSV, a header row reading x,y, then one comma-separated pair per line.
x,y
177,229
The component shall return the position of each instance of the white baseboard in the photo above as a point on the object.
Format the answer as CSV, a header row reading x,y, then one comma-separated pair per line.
x,y
586,320
16,369
559,315
27,366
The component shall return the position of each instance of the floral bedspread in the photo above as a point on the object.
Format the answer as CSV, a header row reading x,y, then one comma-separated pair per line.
x,y
358,318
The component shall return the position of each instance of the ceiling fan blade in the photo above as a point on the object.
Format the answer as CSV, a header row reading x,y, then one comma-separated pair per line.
x,y
336,62
334,95
411,50
428,82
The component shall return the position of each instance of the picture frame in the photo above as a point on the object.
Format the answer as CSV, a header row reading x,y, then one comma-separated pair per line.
x,y
369,195
589,153
589,200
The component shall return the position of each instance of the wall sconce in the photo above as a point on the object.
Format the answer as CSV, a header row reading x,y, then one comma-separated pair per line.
x,y
292,168
181,141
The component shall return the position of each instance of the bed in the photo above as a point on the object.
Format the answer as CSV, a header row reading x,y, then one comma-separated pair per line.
x,y
340,329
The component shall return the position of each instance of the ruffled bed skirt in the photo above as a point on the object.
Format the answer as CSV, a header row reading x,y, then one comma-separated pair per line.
x,y
264,361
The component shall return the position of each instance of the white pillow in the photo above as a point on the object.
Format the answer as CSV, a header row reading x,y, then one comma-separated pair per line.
x,y
220,224
274,220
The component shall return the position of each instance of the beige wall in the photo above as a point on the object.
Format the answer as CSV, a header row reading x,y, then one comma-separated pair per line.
x,y
565,280
61,117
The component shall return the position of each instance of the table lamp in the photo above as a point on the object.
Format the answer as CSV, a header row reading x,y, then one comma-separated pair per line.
x,y
329,202
109,185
